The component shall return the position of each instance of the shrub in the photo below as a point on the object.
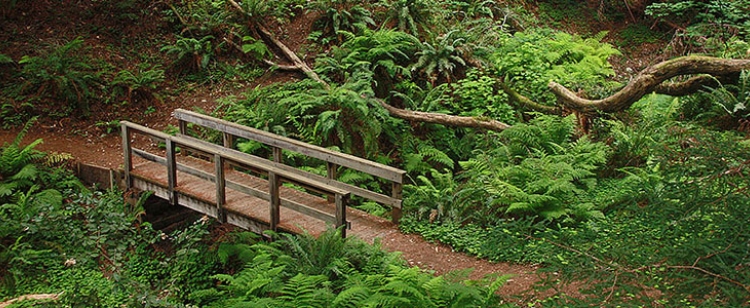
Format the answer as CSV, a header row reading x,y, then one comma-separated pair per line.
x,y
62,74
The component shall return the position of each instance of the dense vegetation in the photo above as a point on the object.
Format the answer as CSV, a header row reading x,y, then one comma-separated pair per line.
x,y
646,207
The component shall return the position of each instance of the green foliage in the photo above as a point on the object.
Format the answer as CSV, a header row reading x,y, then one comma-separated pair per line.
x,y
301,271
733,99
255,48
4,59
14,158
432,198
413,16
529,60
191,54
638,34
139,85
342,15
383,52
705,19
63,73
344,115
441,57
475,95
537,170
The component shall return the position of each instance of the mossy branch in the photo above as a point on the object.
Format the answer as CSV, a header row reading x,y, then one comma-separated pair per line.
x,y
650,80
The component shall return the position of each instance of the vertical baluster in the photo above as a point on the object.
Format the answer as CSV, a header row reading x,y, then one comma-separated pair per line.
x,y
341,202
331,170
275,182
171,171
397,193
228,140
220,188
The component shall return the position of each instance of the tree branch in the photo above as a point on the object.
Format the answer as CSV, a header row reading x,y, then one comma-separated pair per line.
x,y
649,80
53,297
524,101
444,119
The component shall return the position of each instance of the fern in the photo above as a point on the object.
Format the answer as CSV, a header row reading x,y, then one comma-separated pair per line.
x,y
538,171
306,291
13,158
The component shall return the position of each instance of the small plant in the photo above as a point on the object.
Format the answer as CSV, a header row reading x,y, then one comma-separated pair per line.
x,y
109,127
139,85
60,74
191,54
734,99
342,15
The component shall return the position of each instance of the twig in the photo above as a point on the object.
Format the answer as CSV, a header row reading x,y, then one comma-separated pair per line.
x,y
614,284
53,297
730,280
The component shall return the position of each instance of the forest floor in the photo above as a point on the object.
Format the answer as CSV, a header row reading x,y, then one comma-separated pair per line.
x,y
91,142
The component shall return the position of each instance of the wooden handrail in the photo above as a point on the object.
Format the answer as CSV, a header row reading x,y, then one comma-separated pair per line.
x,y
338,158
220,156
333,159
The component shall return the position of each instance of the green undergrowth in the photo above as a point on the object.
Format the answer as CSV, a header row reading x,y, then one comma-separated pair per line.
x,y
674,230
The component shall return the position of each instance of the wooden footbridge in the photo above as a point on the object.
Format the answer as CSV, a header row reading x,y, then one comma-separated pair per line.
x,y
253,192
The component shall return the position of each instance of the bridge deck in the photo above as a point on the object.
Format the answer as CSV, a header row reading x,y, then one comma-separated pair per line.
x,y
248,211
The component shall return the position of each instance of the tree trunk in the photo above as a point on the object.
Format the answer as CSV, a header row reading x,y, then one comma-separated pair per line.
x,y
650,80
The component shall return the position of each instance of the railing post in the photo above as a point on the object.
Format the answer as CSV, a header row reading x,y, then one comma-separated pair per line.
x,y
228,140
171,171
220,188
341,202
277,157
274,183
396,193
331,172
182,124
127,155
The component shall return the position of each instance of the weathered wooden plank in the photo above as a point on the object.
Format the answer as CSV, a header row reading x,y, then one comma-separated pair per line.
x,y
364,193
290,204
349,161
363,225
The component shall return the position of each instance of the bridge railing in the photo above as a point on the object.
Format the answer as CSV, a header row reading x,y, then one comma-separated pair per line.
x,y
221,157
333,159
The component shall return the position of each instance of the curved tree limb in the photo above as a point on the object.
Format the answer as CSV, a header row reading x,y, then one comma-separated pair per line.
x,y
649,80
692,85
444,119
523,101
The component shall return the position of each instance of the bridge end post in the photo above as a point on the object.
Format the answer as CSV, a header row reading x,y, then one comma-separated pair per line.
x,y
171,171
396,193
126,153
